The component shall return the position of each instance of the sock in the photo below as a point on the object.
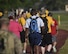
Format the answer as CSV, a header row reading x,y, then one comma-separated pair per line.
x,y
24,51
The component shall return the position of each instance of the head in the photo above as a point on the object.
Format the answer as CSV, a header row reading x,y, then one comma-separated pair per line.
x,y
33,12
10,17
1,14
4,22
50,14
23,14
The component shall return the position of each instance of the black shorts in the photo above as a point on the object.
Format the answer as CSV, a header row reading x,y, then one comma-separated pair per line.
x,y
46,40
22,36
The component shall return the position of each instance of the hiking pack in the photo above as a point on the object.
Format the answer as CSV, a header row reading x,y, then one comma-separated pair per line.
x,y
45,25
33,25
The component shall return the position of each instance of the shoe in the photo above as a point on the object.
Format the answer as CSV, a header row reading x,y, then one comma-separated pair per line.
x,y
54,49
24,53
48,52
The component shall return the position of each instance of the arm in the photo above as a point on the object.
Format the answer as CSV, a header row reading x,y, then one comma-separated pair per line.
x,y
27,28
20,27
26,32
42,26
23,22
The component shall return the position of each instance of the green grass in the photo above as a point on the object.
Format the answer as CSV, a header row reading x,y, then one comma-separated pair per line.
x,y
64,49
63,20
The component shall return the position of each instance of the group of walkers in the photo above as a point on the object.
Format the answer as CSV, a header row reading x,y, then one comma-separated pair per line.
x,y
39,28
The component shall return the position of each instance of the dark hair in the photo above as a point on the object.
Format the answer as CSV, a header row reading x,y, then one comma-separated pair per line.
x,y
23,12
33,12
49,14
10,17
4,21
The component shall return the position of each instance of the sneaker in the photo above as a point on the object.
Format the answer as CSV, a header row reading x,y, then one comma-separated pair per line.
x,y
54,49
48,52
24,53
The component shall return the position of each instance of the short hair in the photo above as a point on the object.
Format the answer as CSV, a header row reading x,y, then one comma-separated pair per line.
x,y
49,14
4,21
33,12
23,12
10,17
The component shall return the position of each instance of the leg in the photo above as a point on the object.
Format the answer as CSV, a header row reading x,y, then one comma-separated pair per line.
x,y
43,50
54,43
49,42
37,47
32,49
24,49
54,47
49,47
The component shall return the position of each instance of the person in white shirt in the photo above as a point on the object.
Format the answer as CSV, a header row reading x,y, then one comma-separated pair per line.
x,y
34,37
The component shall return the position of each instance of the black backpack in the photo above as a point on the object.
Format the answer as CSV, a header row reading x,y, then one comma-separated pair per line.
x,y
45,25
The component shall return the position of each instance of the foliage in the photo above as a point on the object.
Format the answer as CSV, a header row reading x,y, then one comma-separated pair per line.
x,y
50,4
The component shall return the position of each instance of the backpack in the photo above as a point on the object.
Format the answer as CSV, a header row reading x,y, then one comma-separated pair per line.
x,y
45,25
33,25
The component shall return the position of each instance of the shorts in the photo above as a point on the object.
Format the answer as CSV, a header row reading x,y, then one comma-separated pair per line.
x,y
35,39
47,39
53,38
22,36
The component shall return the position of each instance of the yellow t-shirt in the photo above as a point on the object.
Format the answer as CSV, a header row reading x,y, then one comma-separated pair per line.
x,y
1,13
46,11
28,15
43,15
22,21
50,22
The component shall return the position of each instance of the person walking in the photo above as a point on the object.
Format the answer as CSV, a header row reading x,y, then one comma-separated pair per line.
x,y
54,32
33,26
22,21
14,26
9,42
47,37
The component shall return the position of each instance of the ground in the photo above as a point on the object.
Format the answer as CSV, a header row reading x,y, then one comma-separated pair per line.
x,y
61,38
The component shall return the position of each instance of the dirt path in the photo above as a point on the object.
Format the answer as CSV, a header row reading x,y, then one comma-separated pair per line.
x,y
61,38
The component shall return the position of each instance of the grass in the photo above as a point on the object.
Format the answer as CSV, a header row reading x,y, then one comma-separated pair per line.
x,y
63,20
64,49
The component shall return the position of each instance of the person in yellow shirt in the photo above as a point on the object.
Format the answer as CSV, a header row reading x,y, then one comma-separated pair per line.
x,y
1,14
22,21
50,22
47,12
47,37
28,15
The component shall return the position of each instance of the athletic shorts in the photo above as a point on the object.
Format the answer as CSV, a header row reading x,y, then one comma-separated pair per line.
x,y
46,40
35,39
53,38
22,36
